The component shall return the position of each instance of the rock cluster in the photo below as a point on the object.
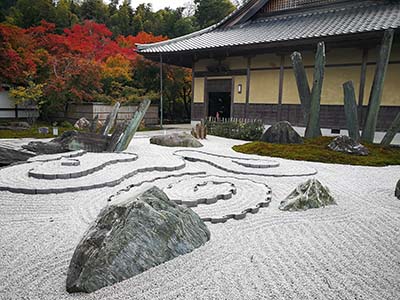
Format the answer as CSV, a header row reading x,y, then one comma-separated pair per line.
x,y
311,194
10,156
82,124
346,144
131,237
176,140
282,133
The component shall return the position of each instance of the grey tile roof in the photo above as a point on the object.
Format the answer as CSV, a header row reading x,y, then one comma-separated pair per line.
x,y
311,24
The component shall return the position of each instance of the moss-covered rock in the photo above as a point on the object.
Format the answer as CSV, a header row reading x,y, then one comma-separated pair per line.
x,y
311,194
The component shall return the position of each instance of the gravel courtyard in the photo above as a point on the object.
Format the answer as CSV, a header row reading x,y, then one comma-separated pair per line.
x,y
346,251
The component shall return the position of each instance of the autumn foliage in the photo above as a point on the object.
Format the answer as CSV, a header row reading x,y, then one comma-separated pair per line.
x,y
80,64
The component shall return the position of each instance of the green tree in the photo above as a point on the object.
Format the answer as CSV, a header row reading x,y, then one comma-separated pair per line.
x,y
27,13
64,18
121,21
209,12
95,10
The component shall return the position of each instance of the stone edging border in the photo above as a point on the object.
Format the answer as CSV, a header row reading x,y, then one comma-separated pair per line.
x,y
90,187
233,171
207,201
243,214
63,155
129,187
81,173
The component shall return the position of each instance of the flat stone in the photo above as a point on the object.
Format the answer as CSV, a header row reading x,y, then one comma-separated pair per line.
x,y
10,156
282,133
397,192
131,237
311,194
346,144
176,140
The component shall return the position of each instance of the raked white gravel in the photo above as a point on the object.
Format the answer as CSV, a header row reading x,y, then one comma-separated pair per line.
x,y
345,251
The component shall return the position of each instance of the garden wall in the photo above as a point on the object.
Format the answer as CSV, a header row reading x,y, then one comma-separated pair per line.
x,y
90,110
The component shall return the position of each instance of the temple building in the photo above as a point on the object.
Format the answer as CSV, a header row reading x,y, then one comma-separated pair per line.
x,y
242,66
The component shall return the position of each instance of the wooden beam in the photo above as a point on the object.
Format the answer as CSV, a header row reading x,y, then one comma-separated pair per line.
x,y
377,87
302,84
313,128
361,92
280,92
350,109
248,74
392,131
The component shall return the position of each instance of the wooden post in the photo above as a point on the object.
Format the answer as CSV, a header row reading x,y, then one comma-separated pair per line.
x,y
133,126
280,94
313,128
350,109
392,131
109,123
161,93
302,84
377,87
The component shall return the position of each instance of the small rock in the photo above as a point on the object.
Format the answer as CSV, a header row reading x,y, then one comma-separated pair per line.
x,y
311,194
176,140
44,130
397,192
346,144
82,124
282,133
131,237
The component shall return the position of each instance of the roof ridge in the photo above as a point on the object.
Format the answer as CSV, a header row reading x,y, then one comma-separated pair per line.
x,y
316,12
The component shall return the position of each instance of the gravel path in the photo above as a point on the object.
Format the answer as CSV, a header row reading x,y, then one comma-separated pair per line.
x,y
346,251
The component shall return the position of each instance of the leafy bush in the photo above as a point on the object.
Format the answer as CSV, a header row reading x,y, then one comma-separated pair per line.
x,y
251,131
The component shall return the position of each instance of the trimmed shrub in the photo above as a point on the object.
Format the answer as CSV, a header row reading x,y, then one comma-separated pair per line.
x,y
249,131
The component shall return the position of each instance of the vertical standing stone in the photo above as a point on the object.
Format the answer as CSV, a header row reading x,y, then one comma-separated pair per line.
x,y
93,125
105,130
377,87
133,126
313,129
391,133
350,109
302,84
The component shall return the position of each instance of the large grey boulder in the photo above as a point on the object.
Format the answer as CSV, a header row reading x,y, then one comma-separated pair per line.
x,y
131,237
281,133
397,192
176,140
346,144
311,194
10,156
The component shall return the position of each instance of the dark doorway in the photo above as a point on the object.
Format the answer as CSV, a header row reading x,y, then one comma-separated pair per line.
x,y
219,103
219,96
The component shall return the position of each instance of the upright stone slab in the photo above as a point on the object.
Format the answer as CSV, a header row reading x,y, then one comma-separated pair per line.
x,y
392,131
302,85
110,121
131,237
350,109
133,126
377,87
397,191
313,129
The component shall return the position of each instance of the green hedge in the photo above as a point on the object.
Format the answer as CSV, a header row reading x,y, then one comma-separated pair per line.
x,y
250,131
